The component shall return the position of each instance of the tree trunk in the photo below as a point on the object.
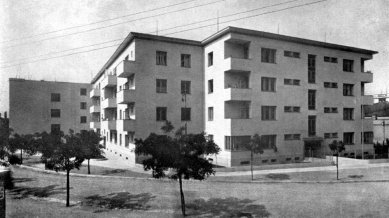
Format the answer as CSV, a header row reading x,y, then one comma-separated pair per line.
x,y
182,196
252,175
337,166
88,167
67,188
21,156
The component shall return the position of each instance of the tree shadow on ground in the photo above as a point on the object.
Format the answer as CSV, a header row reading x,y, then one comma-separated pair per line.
x,y
227,207
355,176
278,176
41,192
20,180
108,172
120,200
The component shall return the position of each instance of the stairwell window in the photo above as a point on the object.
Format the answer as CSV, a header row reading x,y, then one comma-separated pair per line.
x,y
210,113
161,58
268,55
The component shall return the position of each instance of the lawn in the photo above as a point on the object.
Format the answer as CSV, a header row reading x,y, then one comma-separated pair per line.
x,y
42,195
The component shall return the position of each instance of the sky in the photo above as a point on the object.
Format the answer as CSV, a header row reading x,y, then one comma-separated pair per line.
x,y
32,30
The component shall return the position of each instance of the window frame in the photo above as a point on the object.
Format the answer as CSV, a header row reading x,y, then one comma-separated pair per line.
x,y
268,55
161,85
186,60
268,113
185,87
161,113
161,58
186,114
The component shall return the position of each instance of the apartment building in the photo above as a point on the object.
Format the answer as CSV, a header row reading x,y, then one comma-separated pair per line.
x,y
297,94
37,106
148,80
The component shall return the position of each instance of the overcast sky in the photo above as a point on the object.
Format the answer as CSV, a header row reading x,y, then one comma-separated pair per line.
x,y
31,29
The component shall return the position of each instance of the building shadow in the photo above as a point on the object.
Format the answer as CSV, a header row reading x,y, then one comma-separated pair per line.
x,y
114,171
226,207
278,176
20,180
120,200
41,192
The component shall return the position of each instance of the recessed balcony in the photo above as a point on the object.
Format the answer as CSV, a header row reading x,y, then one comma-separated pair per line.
x,y
94,125
237,94
237,65
109,103
125,125
126,68
125,96
94,93
366,77
109,81
94,109
108,124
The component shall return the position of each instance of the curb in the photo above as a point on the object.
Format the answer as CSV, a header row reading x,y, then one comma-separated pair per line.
x,y
198,181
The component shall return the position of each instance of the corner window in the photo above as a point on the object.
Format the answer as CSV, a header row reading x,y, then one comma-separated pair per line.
x,y
348,138
55,128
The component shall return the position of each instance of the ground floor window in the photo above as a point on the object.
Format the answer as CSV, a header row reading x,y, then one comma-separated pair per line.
x,y
348,138
235,143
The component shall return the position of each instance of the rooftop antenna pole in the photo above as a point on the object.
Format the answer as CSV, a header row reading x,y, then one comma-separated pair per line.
x,y
157,29
217,21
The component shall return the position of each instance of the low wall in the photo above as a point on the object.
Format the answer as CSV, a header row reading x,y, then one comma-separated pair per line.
x,y
351,161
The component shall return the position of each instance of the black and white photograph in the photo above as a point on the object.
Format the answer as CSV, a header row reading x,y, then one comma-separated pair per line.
x,y
194,108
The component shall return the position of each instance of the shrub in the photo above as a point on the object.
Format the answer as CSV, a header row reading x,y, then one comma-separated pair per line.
x,y
14,159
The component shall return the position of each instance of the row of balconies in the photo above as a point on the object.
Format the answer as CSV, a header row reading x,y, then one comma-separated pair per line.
x,y
120,125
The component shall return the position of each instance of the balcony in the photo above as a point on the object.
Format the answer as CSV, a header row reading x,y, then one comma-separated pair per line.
x,y
109,103
125,96
109,81
94,109
237,64
94,93
238,126
125,125
94,125
366,77
237,94
108,124
126,68
367,100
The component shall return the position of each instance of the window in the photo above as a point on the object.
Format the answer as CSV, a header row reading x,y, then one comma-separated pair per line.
x,y
161,113
362,65
311,125
348,113
210,59
83,105
348,65
185,114
185,87
55,128
83,119
348,138
161,86
334,135
327,135
185,60
268,141
331,135
210,137
210,113
296,82
290,109
268,84
268,55
330,85
268,112
210,86
55,97
288,82
311,99
244,112
292,137
82,91
311,68
55,113
330,59
348,90
292,54
161,58
235,143
330,110
120,139
368,137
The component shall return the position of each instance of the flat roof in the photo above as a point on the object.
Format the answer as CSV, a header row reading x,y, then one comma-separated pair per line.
x,y
286,38
45,81
132,35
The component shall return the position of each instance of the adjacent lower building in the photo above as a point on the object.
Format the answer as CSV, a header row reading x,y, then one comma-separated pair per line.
x,y
297,94
37,106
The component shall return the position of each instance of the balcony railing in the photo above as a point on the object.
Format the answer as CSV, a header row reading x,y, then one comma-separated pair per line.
x,y
237,64
109,81
125,96
109,103
366,76
94,93
238,94
126,68
126,125
94,109
108,124
94,125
